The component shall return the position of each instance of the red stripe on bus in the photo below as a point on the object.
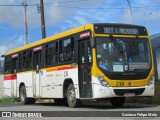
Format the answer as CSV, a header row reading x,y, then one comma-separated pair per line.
x,y
65,68
61,68
10,77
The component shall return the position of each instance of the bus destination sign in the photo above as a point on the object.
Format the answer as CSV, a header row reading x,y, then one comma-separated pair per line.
x,y
120,29
113,30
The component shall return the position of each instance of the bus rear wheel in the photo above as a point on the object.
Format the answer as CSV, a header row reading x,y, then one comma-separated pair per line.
x,y
73,102
23,97
117,101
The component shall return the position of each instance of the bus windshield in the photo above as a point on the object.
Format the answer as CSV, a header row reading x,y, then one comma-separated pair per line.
x,y
123,54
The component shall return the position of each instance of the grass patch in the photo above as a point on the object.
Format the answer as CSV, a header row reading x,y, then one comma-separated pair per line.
x,y
6,100
45,100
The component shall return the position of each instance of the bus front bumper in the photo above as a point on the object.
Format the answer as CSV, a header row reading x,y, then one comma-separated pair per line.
x,y
100,91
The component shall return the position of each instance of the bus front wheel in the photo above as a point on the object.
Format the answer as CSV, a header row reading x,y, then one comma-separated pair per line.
x,y
117,101
71,97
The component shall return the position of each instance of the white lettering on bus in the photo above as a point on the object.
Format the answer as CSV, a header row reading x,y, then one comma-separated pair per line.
x,y
14,55
37,48
86,34
128,31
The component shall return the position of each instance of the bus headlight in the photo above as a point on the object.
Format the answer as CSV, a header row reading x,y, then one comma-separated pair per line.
x,y
102,81
151,80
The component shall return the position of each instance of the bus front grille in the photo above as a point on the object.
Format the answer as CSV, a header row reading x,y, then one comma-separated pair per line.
x,y
121,92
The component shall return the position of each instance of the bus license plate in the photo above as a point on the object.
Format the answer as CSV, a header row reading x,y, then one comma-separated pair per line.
x,y
129,94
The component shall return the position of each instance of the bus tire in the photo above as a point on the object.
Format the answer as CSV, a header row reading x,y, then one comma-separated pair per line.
x,y
117,101
23,96
72,101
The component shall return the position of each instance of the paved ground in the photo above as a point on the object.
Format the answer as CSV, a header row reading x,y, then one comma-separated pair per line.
x,y
85,107
98,109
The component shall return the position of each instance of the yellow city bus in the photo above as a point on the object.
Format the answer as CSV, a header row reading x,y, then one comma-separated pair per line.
x,y
91,62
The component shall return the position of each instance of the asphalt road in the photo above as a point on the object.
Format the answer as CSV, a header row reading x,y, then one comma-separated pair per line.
x,y
87,110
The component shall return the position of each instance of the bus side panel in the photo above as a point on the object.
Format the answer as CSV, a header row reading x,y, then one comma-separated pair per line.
x,y
10,85
36,79
26,78
57,82
66,75
73,74
45,85
7,87
52,82
14,88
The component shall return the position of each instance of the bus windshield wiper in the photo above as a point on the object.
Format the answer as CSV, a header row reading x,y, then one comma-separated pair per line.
x,y
116,44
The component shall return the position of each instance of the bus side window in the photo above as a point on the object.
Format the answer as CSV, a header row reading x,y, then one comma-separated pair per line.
x,y
7,69
51,53
61,57
66,50
27,60
20,62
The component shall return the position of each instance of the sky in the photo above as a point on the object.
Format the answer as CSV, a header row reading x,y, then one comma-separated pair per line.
x,y
62,15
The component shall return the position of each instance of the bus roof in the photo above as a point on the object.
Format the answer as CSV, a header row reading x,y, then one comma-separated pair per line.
x,y
64,34
51,38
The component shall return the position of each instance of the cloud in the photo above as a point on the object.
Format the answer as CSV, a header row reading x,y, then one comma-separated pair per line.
x,y
55,11
3,49
58,11
148,17
67,14
154,22
10,43
12,14
99,14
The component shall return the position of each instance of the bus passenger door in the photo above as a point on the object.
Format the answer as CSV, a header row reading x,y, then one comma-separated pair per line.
x,y
14,78
85,64
36,77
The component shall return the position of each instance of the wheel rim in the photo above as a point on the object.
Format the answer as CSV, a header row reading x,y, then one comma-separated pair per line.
x,y
71,96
